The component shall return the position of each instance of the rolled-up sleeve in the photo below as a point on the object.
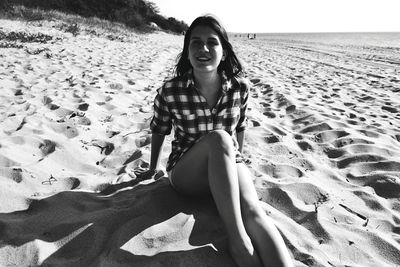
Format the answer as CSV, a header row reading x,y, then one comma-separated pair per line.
x,y
244,97
161,122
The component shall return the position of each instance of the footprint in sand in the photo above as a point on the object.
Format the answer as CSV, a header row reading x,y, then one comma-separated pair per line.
x,y
386,166
72,183
305,146
281,171
369,133
47,147
302,118
13,173
372,149
83,107
143,141
390,109
46,100
116,86
52,106
334,153
71,131
105,147
279,199
269,114
366,98
360,158
345,141
255,123
316,128
16,174
329,135
269,139
352,115
307,193
370,200
386,185
18,92
282,101
84,121
298,137
66,129
290,108
255,81
63,112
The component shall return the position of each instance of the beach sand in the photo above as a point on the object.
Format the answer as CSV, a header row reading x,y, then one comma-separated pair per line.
x,y
323,144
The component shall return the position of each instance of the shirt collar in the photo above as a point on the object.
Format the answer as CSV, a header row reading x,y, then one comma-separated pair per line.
x,y
226,83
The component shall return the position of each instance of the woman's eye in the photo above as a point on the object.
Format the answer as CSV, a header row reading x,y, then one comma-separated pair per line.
x,y
195,42
212,43
200,43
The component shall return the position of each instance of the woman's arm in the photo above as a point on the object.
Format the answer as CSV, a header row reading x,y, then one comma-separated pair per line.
x,y
242,123
240,139
157,141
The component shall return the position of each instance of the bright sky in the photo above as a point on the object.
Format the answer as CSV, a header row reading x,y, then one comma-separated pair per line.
x,y
291,15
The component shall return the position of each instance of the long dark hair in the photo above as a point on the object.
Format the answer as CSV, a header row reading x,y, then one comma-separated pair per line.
x,y
231,65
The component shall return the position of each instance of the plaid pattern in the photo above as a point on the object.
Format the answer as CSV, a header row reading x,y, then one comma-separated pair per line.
x,y
178,103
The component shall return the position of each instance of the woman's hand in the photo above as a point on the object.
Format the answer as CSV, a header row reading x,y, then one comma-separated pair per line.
x,y
146,174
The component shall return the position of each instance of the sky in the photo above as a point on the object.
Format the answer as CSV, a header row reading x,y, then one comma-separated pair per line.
x,y
268,16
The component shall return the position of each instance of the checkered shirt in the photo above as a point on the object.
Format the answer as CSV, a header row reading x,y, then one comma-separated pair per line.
x,y
178,103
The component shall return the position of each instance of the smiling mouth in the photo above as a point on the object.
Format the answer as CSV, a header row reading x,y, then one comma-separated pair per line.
x,y
203,59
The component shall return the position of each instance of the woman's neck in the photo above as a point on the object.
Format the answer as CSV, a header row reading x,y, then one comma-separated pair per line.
x,y
207,81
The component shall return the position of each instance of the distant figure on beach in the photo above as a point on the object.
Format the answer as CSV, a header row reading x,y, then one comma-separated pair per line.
x,y
206,103
251,37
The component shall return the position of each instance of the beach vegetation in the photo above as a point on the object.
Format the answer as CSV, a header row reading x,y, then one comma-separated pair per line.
x,y
140,15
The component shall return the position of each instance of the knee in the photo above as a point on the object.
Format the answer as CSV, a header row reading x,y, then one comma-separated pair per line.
x,y
220,139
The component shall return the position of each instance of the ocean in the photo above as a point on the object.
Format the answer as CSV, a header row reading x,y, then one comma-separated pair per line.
x,y
378,39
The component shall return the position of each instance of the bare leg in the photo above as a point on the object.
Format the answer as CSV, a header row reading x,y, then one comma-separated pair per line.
x,y
263,233
213,158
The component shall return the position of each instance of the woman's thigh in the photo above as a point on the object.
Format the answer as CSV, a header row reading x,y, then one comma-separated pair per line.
x,y
190,174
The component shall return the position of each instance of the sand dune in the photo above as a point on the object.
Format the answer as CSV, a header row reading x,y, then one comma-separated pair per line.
x,y
323,146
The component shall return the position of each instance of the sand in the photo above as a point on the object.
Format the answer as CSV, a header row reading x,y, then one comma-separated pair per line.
x,y
323,145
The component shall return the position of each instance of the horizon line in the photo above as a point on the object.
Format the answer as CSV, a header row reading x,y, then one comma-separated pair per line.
x,y
301,32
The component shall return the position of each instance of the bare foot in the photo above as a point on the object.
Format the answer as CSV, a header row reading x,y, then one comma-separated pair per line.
x,y
244,254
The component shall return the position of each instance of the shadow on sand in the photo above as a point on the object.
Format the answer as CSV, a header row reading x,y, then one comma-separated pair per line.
x,y
90,229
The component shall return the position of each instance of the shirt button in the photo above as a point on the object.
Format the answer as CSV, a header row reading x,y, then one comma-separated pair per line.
x,y
209,120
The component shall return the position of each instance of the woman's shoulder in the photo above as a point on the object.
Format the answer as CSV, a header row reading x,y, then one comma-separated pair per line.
x,y
175,82
172,85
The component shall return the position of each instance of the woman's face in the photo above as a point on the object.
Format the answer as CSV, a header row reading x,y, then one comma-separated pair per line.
x,y
205,49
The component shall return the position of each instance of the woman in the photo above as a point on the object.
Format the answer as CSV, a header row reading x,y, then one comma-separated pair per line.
x,y
206,103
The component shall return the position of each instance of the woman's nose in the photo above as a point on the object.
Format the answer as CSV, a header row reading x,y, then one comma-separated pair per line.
x,y
204,47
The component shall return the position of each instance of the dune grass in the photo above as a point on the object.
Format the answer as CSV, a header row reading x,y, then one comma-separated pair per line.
x,y
137,15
